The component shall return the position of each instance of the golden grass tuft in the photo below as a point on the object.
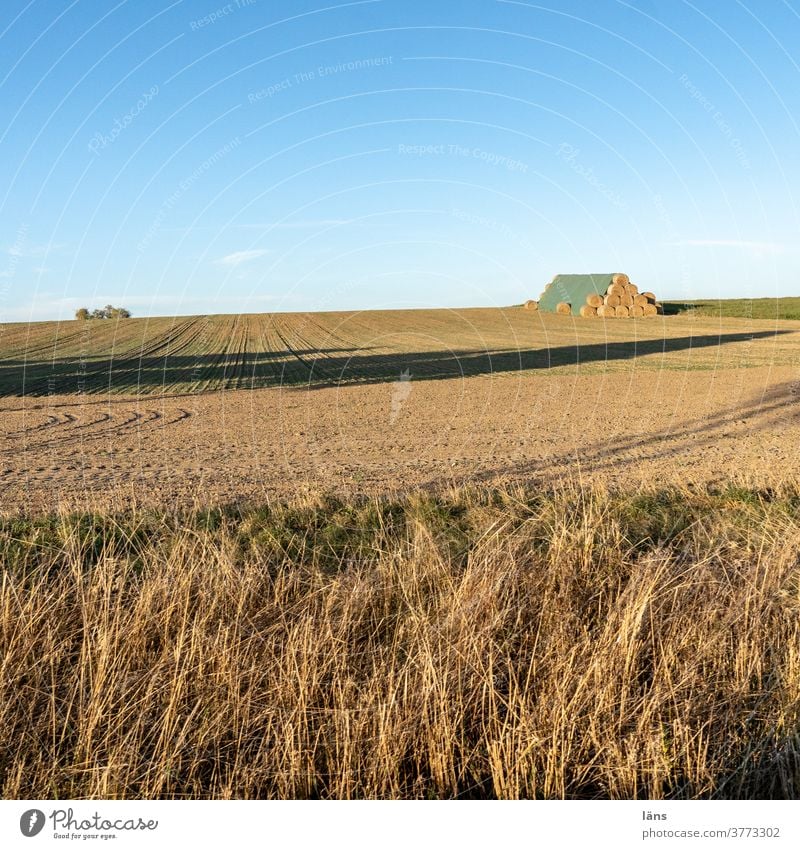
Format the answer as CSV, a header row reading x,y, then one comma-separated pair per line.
x,y
486,643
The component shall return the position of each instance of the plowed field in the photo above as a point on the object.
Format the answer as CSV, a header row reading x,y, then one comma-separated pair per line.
x,y
216,408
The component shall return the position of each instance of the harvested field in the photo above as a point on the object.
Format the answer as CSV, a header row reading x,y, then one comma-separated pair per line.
x,y
222,408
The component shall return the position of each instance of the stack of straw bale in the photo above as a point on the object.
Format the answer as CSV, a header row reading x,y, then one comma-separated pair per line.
x,y
622,299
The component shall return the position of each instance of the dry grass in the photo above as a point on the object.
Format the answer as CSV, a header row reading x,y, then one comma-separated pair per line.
x,y
485,643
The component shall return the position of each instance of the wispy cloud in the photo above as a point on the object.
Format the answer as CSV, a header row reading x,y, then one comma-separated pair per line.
x,y
298,224
759,248
311,223
238,257
266,226
47,307
28,251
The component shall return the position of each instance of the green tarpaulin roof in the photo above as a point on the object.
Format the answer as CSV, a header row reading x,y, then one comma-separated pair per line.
x,y
573,289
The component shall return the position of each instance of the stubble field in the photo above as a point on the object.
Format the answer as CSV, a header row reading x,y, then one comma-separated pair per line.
x,y
218,408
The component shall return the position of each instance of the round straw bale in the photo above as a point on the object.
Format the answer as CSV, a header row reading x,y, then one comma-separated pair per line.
x,y
611,300
632,289
588,312
606,312
659,309
651,298
615,289
620,279
626,300
639,300
594,300
636,311
649,309
564,308
531,305
621,312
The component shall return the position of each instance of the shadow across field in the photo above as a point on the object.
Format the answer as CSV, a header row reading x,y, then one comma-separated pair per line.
x,y
319,368
768,411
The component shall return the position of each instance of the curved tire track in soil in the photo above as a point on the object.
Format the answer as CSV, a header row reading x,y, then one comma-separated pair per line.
x,y
136,421
52,421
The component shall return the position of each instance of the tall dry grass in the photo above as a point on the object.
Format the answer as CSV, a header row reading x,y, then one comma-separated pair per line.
x,y
485,643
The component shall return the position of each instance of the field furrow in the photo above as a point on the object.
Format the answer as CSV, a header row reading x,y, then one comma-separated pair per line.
x,y
162,356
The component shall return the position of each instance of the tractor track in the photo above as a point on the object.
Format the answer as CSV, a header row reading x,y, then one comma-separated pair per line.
x,y
131,423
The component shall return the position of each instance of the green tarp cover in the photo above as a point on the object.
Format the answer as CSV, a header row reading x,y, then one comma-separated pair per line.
x,y
573,289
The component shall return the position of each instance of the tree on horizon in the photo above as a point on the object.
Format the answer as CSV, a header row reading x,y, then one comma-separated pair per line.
x,y
108,311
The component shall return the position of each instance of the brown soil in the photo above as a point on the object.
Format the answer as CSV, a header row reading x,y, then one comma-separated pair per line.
x,y
702,412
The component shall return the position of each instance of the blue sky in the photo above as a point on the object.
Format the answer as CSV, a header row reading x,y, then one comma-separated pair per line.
x,y
192,157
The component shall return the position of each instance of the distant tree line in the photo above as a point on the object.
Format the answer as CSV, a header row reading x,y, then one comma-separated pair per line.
x,y
106,312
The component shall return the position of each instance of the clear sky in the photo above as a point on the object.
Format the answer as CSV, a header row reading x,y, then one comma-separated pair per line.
x,y
191,157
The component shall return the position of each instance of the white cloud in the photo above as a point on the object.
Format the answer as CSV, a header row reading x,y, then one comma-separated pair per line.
x,y
238,257
28,251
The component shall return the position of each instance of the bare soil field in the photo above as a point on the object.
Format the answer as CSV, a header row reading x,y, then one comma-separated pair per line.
x,y
224,408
